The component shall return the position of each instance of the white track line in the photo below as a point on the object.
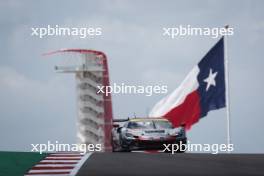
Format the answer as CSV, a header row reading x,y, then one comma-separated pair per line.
x,y
54,165
49,170
60,160
66,158
79,164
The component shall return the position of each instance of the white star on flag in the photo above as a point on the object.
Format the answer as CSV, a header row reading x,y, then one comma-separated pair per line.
x,y
210,80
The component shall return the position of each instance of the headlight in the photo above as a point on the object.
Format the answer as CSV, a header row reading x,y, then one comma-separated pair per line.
x,y
175,132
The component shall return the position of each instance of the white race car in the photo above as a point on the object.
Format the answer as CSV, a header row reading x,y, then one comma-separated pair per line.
x,y
145,134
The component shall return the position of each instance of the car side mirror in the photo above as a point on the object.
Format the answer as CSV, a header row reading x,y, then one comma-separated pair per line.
x,y
119,129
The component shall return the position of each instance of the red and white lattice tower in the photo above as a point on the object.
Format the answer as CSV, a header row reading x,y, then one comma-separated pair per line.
x,y
94,110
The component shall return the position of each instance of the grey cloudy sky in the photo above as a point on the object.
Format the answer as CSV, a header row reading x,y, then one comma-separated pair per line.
x,y
37,105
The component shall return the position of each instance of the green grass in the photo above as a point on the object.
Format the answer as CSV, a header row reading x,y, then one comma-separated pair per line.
x,y
18,163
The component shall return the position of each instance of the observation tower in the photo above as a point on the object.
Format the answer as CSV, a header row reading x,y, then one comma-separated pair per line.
x,y
94,110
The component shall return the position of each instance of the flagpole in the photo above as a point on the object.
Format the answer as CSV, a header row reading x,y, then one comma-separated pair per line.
x,y
227,89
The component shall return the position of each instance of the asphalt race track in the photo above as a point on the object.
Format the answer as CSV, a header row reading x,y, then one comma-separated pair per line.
x,y
162,164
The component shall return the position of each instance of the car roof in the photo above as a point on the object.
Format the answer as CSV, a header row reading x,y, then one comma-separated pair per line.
x,y
147,119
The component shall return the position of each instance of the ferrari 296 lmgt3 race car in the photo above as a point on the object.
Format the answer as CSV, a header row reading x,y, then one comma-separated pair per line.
x,y
145,134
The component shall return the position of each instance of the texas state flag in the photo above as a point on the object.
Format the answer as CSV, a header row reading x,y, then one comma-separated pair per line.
x,y
201,91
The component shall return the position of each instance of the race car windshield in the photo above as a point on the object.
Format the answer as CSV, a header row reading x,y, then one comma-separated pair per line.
x,y
141,125
160,124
